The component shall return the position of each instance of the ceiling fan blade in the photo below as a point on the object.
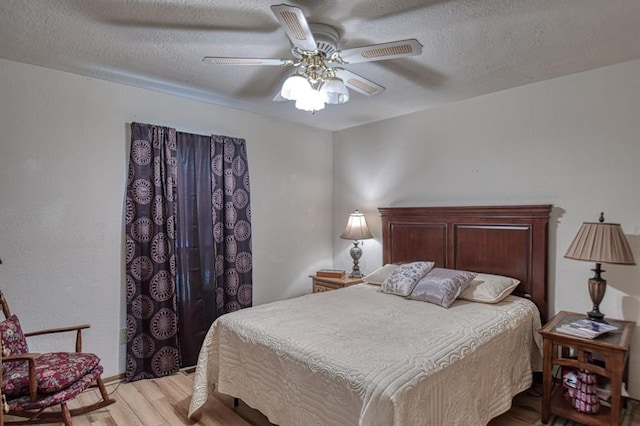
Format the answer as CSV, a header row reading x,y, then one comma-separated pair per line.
x,y
222,60
278,97
378,52
295,25
358,83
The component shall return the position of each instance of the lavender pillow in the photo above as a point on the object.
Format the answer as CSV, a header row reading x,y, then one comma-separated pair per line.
x,y
442,286
404,278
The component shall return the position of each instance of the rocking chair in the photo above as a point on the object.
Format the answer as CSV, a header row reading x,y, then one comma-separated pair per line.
x,y
33,382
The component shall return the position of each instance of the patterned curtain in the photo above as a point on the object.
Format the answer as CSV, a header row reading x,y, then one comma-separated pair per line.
x,y
151,248
232,224
152,345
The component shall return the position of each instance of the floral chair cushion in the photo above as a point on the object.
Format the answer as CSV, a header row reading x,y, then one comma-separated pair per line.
x,y
13,341
22,403
54,371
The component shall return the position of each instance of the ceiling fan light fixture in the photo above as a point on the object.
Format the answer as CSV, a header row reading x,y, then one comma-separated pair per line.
x,y
334,91
318,78
295,87
311,101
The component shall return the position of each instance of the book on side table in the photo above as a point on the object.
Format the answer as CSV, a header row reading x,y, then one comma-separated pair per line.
x,y
331,273
586,328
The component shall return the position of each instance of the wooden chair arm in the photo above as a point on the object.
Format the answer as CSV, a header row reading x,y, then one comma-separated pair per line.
x,y
57,330
33,380
77,328
31,356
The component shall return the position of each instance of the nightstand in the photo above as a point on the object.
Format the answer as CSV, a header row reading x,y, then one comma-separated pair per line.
x,y
326,284
611,351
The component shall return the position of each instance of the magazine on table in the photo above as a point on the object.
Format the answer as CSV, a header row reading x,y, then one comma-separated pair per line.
x,y
586,328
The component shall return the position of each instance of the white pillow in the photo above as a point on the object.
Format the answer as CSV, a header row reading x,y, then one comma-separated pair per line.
x,y
487,288
404,278
378,276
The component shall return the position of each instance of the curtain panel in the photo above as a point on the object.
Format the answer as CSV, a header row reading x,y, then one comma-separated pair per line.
x,y
152,346
232,224
176,285
196,278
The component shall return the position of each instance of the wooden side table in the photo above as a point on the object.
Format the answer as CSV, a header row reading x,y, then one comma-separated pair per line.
x,y
326,284
574,352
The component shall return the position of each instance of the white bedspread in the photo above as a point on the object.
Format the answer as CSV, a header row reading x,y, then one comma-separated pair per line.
x,y
358,357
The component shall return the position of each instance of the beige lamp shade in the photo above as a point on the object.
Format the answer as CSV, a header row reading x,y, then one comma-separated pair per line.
x,y
356,228
601,242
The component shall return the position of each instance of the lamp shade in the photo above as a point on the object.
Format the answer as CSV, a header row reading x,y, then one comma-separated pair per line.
x,y
601,242
311,100
356,228
334,91
295,87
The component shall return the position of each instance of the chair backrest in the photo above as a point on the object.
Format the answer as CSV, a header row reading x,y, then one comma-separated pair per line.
x,y
5,306
11,334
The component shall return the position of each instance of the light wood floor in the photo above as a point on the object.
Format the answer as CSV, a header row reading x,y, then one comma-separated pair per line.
x,y
165,402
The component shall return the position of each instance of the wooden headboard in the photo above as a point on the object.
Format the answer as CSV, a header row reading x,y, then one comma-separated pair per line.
x,y
501,240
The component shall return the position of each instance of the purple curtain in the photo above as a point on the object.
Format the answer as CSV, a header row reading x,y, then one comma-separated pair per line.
x,y
196,278
152,345
232,224
169,309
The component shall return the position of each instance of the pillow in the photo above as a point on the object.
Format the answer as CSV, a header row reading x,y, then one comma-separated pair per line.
x,y
442,286
487,288
405,277
378,276
13,341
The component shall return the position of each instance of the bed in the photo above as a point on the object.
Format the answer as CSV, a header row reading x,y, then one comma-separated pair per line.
x,y
357,356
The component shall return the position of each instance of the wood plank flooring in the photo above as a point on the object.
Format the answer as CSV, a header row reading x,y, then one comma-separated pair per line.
x,y
165,402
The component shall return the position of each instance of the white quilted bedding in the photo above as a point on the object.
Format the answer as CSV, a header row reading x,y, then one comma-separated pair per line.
x,y
358,357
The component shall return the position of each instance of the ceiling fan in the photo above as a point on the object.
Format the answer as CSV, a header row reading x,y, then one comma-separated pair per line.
x,y
319,77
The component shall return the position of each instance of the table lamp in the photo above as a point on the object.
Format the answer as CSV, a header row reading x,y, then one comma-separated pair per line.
x,y
600,242
356,230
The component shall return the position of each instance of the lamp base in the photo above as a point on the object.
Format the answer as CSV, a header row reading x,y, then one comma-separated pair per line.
x,y
356,253
596,316
597,288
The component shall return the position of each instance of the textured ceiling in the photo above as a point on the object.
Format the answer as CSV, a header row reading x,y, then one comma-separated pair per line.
x,y
471,47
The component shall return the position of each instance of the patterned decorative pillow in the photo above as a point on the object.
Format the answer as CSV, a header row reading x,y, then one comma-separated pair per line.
x,y
378,276
487,288
405,277
442,286
13,341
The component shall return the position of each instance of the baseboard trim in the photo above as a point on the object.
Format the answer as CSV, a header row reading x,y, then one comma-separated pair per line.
x,y
121,377
113,379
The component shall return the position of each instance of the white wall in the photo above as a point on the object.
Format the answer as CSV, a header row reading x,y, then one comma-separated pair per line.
x,y
573,142
63,162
